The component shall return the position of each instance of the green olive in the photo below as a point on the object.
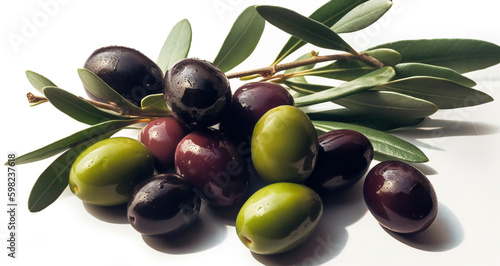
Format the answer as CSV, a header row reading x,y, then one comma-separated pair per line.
x,y
278,217
284,145
106,173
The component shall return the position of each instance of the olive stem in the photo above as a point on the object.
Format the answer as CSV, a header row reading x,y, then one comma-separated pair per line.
x,y
268,72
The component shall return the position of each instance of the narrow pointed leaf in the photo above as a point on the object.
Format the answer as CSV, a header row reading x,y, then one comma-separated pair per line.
x,y
327,14
387,104
306,87
38,81
103,91
241,41
76,107
387,56
176,46
362,16
443,93
385,145
154,103
74,139
461,55
362,83
406,70
55,178
304,28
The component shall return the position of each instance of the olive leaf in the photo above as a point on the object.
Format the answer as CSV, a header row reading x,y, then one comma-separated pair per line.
x,y
387,56
444,93
304,28
385,146
346,115
38,81
76,107
154,103
461,55
405,70
241,41
74,139
176,46
390,105
55,178
362,16
103,91
328,14
362,83
305,87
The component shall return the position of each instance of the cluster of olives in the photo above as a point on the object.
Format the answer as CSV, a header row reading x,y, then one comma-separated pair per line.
x,y
205,150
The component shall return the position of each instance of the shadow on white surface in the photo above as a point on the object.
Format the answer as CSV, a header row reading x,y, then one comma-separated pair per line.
x,y
111,214
331,235
445,233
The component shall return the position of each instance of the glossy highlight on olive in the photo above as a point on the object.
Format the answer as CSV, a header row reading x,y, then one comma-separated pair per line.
x,y
400,197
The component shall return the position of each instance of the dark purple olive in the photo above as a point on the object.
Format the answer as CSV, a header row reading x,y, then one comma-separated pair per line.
x,y
400,197
212,163
197,92
127,71
250,102
161,137
344,157
163,205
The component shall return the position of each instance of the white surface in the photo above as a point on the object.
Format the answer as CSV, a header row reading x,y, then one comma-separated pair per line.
x,y
462,144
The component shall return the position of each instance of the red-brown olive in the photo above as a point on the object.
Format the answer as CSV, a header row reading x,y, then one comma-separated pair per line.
x,y
400,197
344,157
210,161
128,71
197,92
161,137
250,102
163,204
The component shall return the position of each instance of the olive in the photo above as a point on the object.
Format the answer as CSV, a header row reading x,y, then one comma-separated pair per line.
x,y
278,217
106,172
400,197
161,137
284,145
250,102
197,92
344,157
209,160
128,71
163,205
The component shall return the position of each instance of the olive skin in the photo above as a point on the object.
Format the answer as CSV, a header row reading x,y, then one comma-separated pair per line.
x,y
129,72
343,159
250,102
210,161
284,145
197,93
161,137
106,173
278,217
400,197
162,205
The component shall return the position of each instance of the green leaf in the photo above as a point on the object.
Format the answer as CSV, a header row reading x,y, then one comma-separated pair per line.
x,y
461,55
55,178
444,93
345,70
241,40
327,14
176,46
362,83
38,81
304,28
362,16
352,117
385,145
76,107
74,139
154,103
103,91
387,56
405,70
306,87
390,105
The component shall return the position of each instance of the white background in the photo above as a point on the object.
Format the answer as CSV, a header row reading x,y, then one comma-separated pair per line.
x,y
462,144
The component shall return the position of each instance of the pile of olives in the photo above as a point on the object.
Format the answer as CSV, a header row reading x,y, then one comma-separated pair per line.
x,y
206,149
